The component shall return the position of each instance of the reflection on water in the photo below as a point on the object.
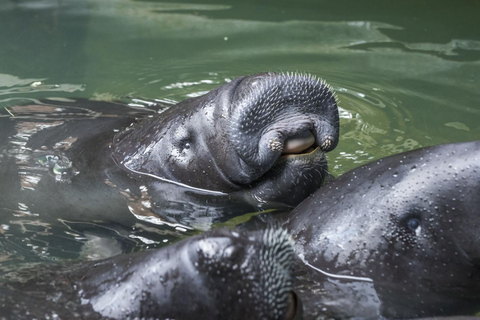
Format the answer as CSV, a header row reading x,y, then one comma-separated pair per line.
x,y
56,166
456,49
406,75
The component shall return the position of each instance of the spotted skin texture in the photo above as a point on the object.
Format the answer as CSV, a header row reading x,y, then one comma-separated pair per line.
x,y
217,275
409,222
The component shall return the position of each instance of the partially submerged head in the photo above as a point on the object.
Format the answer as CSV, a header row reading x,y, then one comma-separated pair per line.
x,y
409,222
266,133
248,274
221,274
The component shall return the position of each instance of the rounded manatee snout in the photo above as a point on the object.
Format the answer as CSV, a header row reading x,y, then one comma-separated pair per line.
x,y
270,109
281,126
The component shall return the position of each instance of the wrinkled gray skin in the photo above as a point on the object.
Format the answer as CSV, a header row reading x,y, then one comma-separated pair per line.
x,y
217,275
409,222
111,160
232,139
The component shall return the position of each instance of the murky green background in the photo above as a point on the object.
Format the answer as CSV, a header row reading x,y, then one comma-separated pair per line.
x,y
407,73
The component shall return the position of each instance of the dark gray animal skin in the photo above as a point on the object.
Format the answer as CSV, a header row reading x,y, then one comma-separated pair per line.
x,y
407,224
89,160
217,275
233,138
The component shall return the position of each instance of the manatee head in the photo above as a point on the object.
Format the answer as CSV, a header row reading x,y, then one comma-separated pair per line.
x,y
222,274
409,222
248,275
265,134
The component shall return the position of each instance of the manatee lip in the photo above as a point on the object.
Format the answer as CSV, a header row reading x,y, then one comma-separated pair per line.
x,y
309,155
301,143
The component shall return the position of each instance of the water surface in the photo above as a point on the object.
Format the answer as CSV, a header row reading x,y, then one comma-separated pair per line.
x,y
407,75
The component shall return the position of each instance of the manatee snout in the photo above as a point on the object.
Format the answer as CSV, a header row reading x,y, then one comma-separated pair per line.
x,y
277,114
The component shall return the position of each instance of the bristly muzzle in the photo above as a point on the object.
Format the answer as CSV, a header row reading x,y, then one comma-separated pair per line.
x,y
268,109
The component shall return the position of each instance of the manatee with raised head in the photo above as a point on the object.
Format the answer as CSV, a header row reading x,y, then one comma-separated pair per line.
x,y
221,274
397,238
260,138
265,133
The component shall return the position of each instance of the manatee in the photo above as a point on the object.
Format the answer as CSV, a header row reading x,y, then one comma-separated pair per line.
x,y
256,140
265,133
396,238
222,274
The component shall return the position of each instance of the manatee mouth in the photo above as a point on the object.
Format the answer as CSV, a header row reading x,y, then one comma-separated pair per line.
x,y
277,117
301,143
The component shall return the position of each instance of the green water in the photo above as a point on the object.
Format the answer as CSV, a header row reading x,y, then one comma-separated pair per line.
x,y
407,73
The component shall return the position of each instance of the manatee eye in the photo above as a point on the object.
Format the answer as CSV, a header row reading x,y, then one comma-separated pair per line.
x,y
294,310
185,145
182,140
413,223
412,220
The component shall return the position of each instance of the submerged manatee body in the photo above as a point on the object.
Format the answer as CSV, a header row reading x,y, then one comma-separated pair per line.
x,y
217,275
260,138
398,237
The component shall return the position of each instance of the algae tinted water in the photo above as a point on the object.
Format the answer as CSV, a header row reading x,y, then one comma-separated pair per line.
x,y
406,74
